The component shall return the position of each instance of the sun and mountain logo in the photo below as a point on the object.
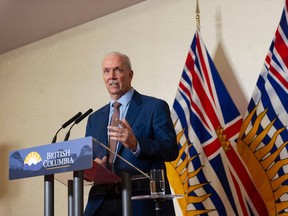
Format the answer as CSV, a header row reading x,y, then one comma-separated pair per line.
x,y
33,161
49,159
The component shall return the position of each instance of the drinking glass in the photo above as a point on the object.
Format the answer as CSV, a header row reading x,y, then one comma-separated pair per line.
x,y
157,182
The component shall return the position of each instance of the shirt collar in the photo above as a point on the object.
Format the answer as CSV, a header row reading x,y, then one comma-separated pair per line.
x,y
124,99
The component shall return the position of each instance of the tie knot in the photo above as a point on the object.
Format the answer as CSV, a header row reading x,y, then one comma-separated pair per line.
x,y
116,105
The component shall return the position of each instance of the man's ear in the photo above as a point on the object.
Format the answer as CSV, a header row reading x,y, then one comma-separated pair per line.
x,y
131,73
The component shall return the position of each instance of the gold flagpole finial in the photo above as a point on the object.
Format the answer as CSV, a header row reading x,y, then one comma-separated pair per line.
x,y
197,16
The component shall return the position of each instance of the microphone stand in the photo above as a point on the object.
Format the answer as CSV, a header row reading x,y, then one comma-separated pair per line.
x,y
49,179
75,186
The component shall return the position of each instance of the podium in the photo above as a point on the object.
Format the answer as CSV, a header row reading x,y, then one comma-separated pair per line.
x,y
73,164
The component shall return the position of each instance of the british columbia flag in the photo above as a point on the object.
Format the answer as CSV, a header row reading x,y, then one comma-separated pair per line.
x,y
209,171
263,138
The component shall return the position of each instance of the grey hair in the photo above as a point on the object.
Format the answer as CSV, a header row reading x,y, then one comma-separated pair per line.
x,y
124,58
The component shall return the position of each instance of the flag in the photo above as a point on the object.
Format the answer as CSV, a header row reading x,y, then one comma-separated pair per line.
x,y
263,137
209,172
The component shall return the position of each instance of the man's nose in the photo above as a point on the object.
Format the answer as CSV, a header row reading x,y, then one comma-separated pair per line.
x,y
112,74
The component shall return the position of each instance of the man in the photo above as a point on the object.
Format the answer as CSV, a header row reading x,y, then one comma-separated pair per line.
x,y
145,137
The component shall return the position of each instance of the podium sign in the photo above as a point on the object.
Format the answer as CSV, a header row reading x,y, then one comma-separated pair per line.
x,y
52,158
71,162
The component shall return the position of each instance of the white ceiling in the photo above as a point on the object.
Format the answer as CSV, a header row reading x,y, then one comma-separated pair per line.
x,y
25,21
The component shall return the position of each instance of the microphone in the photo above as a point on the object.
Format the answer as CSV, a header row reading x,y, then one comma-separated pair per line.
x,y
83,116
71,120
79,119
66,124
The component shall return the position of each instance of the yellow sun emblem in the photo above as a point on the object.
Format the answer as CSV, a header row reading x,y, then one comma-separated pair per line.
x,y
179,176
32,158
261,162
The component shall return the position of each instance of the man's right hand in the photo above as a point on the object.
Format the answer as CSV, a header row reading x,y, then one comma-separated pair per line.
x,y
102,161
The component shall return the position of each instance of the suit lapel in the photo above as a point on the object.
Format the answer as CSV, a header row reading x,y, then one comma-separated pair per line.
x,y
134,108
133,111
103,126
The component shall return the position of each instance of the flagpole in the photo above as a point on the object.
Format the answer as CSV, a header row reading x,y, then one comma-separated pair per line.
x,y
197,16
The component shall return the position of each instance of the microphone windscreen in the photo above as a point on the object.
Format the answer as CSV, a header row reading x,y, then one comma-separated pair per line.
x,y
71,120
83,116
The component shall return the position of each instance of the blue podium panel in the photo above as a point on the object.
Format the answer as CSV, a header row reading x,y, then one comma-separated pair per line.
x,y
51,158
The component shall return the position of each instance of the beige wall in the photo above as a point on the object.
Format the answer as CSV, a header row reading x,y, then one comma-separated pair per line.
x,y
45,83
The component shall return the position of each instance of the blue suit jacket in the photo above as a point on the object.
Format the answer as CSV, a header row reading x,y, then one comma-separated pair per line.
x,y
152,125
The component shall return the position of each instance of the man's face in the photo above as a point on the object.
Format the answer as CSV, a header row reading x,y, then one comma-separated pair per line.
x,y
116,75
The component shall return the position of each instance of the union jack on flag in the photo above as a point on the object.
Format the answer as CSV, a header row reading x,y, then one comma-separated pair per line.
x,y
264,136
208,171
